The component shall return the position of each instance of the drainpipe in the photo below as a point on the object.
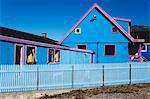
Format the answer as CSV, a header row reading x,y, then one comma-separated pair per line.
x,y
97,51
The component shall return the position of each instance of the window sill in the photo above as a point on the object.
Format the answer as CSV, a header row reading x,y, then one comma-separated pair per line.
x,y
53,63
109,55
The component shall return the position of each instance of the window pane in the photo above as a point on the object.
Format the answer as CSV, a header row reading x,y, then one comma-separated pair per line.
x,y
18,55
114,29
82,47
77,31
109,49
57,55
31,59
51,55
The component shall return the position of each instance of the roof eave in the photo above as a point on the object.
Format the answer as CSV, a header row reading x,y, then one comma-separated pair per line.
x,y
122,19
29,42
139,40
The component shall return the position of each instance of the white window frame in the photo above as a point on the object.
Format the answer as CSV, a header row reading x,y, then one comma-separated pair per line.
x,y
23,53
75,31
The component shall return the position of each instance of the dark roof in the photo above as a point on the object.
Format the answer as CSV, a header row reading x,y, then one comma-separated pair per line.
x,y
142,32
27,36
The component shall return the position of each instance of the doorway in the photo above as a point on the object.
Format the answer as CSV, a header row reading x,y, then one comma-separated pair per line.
x,y
19,55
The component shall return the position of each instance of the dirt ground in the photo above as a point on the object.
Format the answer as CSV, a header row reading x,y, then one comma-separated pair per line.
x,y
138,91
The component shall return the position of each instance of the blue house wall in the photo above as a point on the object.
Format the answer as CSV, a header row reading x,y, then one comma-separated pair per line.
x,y
96,34
71,57
41,55
66,56
7,55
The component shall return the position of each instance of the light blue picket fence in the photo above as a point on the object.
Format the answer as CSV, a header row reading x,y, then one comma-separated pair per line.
x,y
42,77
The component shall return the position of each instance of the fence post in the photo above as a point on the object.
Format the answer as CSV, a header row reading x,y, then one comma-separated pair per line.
x,y
37,77
130,74
103,74
72,76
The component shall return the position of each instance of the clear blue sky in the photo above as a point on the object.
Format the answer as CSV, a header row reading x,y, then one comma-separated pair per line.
x,y
56,17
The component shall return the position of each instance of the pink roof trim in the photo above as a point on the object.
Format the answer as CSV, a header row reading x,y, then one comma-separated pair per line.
x,y
122,19
28,42
82,18
107,16
139,40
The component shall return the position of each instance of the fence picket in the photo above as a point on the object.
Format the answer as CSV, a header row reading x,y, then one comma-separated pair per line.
x,y
41,77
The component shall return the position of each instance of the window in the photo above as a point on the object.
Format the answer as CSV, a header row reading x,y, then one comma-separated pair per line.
x,y
19,59
114,29
30,55
57,56
144,48
53,56
81,47
77,31
94,16
109,50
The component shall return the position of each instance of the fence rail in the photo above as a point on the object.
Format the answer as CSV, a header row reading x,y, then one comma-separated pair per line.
x,y
42,77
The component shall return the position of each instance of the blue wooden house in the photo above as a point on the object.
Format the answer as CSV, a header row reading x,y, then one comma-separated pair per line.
x,y
107,36
20,48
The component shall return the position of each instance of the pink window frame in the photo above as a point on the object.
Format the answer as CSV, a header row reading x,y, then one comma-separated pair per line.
x,y
22,53
112,29
110,45
26,52
81,45
92,58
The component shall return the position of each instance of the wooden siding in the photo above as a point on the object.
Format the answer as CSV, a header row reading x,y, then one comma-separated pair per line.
x,y
98,33
6,53
70,57
41,55
66,56
98,48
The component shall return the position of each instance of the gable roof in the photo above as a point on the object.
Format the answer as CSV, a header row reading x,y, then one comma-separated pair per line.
x,y
110,19
27,36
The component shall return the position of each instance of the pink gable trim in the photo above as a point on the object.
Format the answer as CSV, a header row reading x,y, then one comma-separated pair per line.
x,y
129,37
122,19
82,18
